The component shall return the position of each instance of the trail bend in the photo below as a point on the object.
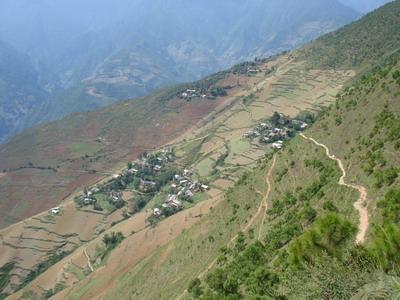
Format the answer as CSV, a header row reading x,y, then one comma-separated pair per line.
x,y
359,205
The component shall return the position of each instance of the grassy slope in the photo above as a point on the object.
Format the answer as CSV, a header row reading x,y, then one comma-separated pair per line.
x,y
173,266
363,130
358,132
359,44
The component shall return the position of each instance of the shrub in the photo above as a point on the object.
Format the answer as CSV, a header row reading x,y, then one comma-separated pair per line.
x,y
113,240
386,246
329,234
195,288
390,206
328,205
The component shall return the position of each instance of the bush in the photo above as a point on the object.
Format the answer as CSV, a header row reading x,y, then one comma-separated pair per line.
x,y
390,206
328,205
195,288
386,246
329,234
218,92
113,240
309,214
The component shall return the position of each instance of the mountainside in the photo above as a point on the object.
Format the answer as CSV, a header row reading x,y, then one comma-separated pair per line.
x,y
355,47
88,62
318,239
299,225
20,90
281,182
364,6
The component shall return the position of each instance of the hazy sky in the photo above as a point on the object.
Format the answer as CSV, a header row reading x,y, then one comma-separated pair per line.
x,y
364,5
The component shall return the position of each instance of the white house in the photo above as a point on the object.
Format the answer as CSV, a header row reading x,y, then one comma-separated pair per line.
x,y
278,145
157,212
55,210
205,187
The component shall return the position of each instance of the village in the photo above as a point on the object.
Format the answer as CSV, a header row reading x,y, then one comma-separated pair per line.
x,y
276,130
183,188
148,175
212,94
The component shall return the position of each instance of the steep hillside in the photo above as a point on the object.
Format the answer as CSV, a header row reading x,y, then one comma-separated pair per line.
x,y
307,246
51,161
287,229
364,6
214,149
360,44
303,242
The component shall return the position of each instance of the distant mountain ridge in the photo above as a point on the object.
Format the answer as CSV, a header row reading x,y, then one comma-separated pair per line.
x,y
93,59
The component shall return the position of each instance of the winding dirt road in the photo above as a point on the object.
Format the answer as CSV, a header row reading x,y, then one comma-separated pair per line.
x,y
359,205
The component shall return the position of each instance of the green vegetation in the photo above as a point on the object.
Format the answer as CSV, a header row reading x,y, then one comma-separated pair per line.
x,y
5,277
112,240
109,242
83,148
329,234
308,250
357,45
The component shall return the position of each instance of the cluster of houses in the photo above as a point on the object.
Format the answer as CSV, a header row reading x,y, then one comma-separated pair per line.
x,y
183,188
114,197
211,93
192,93
149,165
276,130
148,174
252,70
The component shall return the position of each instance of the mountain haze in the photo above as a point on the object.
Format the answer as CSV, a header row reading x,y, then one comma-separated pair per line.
x,y
87,58
20,89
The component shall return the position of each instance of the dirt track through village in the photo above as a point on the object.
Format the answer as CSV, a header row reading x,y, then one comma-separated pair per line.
x,y
359,205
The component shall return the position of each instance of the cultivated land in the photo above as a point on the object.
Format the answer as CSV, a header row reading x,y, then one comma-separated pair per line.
x,y
214,148
283,224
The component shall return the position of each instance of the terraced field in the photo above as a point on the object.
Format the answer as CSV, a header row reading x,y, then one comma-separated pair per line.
x,y
34,240
214,148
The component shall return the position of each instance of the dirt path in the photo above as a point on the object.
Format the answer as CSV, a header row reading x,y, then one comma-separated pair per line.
x,y
88,261
359,205
262,208
265,200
